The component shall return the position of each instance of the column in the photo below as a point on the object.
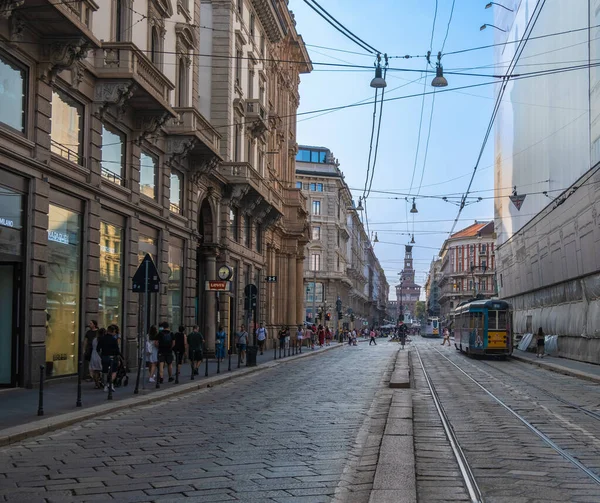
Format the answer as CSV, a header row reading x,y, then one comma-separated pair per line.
x,y
210,314
291,291
300,290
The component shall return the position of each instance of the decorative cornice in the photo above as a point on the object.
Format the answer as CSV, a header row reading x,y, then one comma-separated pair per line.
x,y
59,55
8,6
117,94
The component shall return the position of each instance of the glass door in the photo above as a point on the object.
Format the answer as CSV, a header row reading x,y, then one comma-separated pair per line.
x,y
9,296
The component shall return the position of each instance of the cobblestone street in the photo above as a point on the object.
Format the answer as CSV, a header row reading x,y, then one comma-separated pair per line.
x,y
305,431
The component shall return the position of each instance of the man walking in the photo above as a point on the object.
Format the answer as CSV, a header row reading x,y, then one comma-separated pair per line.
x,y
195,347
242,342
261,337
165,351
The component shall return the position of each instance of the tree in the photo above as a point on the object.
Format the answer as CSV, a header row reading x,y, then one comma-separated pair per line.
x,y
420,310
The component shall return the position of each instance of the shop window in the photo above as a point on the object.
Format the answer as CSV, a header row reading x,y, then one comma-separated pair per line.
x,y
63,291
110,292
175,287
66,131
11,222
176,192
13,81
112,151
148,175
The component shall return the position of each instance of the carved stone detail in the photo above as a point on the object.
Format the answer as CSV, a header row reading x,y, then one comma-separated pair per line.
x,y
204,167
61,55
179,148
150,124
117,94
17,28
76,75
238,192
7,7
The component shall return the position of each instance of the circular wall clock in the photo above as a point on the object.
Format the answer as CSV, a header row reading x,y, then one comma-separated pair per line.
x,y
225,272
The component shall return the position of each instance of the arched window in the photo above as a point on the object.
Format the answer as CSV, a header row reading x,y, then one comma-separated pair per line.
x,y
155,47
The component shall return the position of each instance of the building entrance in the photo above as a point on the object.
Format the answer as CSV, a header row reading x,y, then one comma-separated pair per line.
x,y
10,293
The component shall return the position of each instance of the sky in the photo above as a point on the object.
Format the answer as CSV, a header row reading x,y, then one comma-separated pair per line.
x,y
459,120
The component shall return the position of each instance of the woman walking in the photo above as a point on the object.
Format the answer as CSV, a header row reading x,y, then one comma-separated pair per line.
x,y
220,343
321,334
96,360
541,342
152,351
328,336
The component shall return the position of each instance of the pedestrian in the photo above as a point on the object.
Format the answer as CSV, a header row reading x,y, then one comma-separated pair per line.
x,y
242,340
261,337
152,352
281,337
328,336
299,336
95,363
541,341
195,342
108,349
90,335
321,335
165,351
287,338
372,335
220,343
402,332
180,347
446,337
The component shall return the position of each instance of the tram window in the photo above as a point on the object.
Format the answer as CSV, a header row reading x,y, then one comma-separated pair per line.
x,y
502,318
476,320
492,320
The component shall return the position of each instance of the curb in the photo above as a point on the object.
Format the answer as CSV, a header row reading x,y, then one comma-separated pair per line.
x,y
395,476
35,428
559,369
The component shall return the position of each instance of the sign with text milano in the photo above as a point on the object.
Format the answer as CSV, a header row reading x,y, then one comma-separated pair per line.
x,y
218,286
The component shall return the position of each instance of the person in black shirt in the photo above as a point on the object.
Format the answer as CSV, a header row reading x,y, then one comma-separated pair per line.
x,y
165,350
180,346
108,347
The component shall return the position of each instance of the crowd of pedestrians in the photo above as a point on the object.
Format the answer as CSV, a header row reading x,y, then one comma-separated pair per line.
x,y
102,355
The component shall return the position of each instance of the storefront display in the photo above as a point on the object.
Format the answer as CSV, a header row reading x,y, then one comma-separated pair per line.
x,y
175,285
64,283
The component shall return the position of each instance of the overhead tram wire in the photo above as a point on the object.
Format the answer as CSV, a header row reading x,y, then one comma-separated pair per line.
x,y
529,30
314,5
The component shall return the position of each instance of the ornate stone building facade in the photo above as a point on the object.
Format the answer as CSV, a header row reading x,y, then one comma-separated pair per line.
x,y
109,150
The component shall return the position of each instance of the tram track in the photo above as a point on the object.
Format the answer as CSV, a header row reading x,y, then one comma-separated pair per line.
x,y
547,440
466,472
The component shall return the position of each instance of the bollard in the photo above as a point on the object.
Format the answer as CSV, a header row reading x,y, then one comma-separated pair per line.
x,y
239,359
300,348
41,397
193,363
78,402
110,372
229,366
218,365
280,350
275,352
177,353
206,370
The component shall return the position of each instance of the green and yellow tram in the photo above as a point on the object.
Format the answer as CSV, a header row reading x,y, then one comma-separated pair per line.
x,y
483,327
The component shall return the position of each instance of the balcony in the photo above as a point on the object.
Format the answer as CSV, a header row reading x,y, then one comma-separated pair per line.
x,y
201,140
129,77
56,18
256,113
250,191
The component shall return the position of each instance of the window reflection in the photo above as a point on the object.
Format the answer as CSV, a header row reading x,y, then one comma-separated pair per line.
x,y
175,192
12,95
175,286
66,131
112,155
148,175
111,286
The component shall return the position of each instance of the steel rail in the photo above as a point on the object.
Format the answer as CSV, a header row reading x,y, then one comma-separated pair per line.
x,y
461,459
545,438
590,413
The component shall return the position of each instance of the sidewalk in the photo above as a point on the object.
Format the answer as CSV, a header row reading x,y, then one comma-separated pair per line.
x,y
574,368
18,407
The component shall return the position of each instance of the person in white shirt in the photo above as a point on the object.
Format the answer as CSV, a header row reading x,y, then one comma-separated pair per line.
x,y
299,336
261,337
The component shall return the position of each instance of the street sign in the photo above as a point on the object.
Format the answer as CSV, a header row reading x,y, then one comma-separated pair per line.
x,y
517,200
250,290
250,293
271,279
140,282
218,286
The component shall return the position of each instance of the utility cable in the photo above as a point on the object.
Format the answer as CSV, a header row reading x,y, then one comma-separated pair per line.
x,y
376,139
448,26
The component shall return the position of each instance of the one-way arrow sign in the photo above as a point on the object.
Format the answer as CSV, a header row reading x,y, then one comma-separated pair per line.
x,y
146,276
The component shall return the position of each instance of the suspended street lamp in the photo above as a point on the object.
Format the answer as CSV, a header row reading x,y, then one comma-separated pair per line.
x,y
414,207
378,81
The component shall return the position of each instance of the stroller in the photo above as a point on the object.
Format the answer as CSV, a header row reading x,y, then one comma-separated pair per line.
x,y
122,378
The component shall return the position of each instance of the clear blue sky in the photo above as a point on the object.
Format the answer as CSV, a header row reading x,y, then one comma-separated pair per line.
x,y
460,118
